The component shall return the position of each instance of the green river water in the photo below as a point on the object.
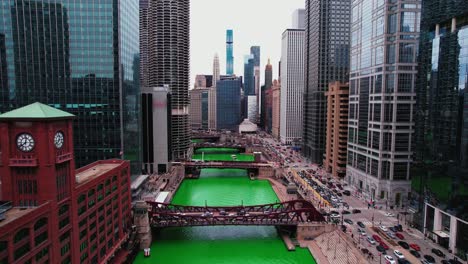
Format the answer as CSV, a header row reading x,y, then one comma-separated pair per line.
x,y
223,244
221,154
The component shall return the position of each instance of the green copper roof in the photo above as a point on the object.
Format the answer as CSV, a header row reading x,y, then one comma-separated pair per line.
x,y
36,110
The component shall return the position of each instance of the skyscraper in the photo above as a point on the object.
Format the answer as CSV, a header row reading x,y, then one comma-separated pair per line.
x,y
169,46
441,134
381,98
299,19
228,103
326,60
268,75
144,43
292,90
229,52
80,60
264,112
276,109
255,52
216,74
249,78
212,94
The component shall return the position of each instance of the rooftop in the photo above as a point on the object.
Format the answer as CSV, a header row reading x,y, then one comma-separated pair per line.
x,y
95,171
15,213
35,111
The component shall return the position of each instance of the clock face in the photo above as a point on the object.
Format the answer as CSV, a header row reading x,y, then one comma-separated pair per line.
x,y
25,142
58,139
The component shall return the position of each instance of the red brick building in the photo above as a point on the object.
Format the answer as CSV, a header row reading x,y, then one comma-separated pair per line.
x,y
50,212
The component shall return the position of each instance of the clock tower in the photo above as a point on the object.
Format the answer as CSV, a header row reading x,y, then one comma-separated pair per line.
x,y
36,155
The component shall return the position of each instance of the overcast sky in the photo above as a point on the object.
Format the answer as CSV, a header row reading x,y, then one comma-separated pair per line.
x,y
255,23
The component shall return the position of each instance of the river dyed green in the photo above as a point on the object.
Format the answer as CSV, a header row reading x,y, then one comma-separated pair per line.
x,y
221,154
223,244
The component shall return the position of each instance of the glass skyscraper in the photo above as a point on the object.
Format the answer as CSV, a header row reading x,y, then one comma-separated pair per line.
x,y
384,42
81,56
228,103
229,52
326,60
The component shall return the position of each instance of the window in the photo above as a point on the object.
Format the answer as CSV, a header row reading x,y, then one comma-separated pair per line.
x,y
64,222
81,198
40,238
403,113
42,253
20,235
387,141
391,54
400,171
83,246
392,23
405,82
22,251
40,223
63,209
402,142
408,21
407,51
388,114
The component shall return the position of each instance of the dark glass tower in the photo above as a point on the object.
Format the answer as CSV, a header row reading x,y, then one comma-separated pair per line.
x,y
80,56
255,51
169,64
249,78
441,138
326,60
229,52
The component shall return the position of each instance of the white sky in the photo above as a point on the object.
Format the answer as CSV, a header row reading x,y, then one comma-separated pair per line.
x,y
255,23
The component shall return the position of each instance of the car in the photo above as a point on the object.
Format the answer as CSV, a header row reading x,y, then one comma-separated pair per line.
x,y
393,229
403,244
380,249
425,262
377,238
383,228
438,252
415,247
345,212
346,192
391,234
363,233
389,259
399,235
334,215
398,254
356,211
415,253
371,240
429,258
445,261
403,261
343,228
384,245
349,221
389,214
399,228
361,225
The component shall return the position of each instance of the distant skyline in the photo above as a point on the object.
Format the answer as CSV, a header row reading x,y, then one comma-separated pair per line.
x,y
255,23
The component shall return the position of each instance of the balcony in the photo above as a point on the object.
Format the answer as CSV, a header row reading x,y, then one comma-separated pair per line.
x,y
63,156
23,161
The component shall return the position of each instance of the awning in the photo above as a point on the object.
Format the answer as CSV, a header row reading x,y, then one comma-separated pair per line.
x,y
441,234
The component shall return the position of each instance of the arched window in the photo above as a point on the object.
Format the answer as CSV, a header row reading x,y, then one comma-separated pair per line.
x,y
91,192
20,235
40,223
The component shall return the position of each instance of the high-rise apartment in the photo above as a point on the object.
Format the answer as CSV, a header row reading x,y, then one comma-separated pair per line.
x,y
169,46
229,52
337,129
384,41
326,60
80,59
441,134
292,90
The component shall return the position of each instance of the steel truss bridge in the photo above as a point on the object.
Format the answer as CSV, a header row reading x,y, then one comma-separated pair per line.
x,y
288,213
226,164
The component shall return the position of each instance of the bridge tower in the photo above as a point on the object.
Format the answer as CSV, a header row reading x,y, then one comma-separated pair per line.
x,y
142,224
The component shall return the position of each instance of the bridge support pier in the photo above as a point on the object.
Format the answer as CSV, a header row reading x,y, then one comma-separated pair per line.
x,y
142,223
309,231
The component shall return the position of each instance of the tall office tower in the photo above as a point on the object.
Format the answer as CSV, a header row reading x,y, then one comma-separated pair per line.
x,y
255,52
326,60
292,77
156,129
384,41
91,70
228,103
441,115
216,74
249,78
169,46
144,43
212,94
268,75
337,129
203,81
229,52
264,90
276,109
298,19
199,107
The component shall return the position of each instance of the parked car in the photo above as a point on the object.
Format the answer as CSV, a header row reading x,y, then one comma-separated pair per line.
x,y
399,228
384,245
346,192
389,259
361,225
389,214
393,229
371,240
391,234
349,221
345,212
377,238
403,261
415,253
380,249
438,252
399,235
429,258
356,211
398,254
383,228
415,247
403,244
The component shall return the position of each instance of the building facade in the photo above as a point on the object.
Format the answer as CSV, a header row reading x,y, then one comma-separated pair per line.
x,y
156,129
292,81
382,98
92,70
441,115
228,103
169,64
265,112
298,19
51,212
199,108
326,60
212,95
229,52
276,109
337,129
